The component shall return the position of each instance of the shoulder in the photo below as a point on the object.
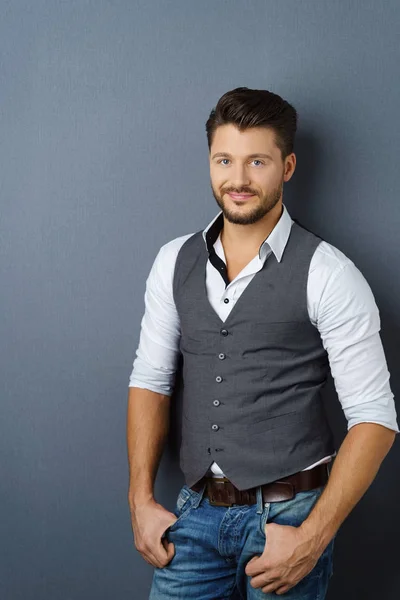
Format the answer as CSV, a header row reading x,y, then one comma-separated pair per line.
x,y
163,267
169,251
336,285
329,261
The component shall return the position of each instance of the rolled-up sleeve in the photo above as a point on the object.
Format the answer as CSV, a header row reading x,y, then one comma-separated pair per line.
x,y
157,354
349,324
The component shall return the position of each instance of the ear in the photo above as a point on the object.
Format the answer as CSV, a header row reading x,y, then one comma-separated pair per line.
x,y
290,166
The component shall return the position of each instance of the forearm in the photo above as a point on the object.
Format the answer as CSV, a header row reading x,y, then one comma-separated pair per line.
x,y
355,467
146,431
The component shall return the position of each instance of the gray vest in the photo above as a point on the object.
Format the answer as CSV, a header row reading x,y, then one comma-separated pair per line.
x,y
251,384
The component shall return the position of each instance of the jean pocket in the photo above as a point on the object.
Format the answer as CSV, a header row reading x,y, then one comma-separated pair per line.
x,y
184,503
184,496
293,512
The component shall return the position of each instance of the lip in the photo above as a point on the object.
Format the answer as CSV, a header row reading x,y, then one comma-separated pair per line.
x,y
240,196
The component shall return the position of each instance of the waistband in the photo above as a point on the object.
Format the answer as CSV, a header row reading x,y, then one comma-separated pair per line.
x,y
222,492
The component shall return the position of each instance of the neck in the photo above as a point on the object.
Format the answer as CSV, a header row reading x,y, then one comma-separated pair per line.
x,y
247,239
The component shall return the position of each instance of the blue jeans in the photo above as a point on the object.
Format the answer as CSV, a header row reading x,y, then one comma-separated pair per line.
x,y
214,543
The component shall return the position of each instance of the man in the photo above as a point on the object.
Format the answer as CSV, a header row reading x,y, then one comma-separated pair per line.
x,y
260,309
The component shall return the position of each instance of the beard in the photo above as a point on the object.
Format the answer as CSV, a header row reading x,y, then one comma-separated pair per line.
x,y
252,214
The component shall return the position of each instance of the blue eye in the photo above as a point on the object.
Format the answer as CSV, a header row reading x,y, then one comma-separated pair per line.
x,y
227,160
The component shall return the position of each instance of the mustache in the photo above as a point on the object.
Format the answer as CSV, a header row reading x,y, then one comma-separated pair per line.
x,y
237,191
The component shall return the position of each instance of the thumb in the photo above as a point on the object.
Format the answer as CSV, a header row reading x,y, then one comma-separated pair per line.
x,y
253,558
250,562
169,547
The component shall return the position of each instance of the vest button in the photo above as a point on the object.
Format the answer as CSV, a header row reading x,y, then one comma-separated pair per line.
x,y
221,356
216,402
218,379
224,332
214,427
226,300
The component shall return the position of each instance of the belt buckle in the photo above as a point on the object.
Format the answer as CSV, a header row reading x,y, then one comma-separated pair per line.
x,y
216,503
278,491
211,499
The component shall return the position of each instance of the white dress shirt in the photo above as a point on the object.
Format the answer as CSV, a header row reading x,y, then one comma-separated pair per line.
x,y
340,305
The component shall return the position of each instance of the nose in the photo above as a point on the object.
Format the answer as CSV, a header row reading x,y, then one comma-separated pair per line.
x,y
239,176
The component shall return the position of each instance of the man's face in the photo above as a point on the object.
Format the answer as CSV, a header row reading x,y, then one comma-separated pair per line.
x,y
248,164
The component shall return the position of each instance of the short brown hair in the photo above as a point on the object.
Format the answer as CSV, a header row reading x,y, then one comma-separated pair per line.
x,y
246,108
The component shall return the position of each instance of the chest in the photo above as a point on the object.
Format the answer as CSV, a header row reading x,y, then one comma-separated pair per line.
x,y
275,293
234,266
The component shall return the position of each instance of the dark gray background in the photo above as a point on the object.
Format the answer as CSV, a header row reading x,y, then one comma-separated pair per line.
x,y
104,159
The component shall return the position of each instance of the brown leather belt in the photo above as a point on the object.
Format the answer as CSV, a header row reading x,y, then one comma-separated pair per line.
x,y
221,492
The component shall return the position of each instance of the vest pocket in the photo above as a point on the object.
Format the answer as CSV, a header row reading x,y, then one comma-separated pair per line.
x,y
278,346
276,421
279,326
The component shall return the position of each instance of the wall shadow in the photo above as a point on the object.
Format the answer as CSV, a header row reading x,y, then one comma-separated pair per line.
x,y
366,545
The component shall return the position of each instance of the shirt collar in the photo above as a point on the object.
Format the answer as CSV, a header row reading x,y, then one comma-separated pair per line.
x,y
276,241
